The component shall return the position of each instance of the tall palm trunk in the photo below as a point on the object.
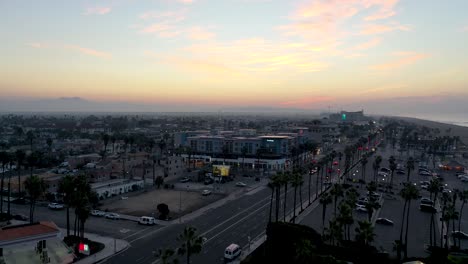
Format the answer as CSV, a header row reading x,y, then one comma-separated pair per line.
x,y
9,192
430,229
459,219
310,179
401,230
154,172
271,204
285,199
300,197
317,183
68,220
407,228
19,180
294,206
324,211
278,196
1,189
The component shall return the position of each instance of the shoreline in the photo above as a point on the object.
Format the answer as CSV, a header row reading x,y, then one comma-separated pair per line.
x,y
446,129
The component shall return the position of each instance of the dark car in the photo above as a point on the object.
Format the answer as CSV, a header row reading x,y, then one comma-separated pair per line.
x,y
20,217
400,172
384,221
427,208
185,179
208,181
460,234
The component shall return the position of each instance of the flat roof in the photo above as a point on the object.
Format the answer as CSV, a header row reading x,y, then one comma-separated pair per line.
x,y
279,137
18,232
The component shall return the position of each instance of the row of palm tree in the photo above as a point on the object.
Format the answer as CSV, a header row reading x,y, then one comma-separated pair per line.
x,y
339,227
283,180
191,244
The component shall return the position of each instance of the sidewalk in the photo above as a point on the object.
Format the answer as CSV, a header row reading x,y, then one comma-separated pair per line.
x,y
112,247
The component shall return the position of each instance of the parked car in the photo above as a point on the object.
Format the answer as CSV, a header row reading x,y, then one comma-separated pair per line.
x,y
184,179
241,184
384,221
425,173
206,192
460,234
427,208
400,172
361,209
97,213
208,181
112,216
385,170
55,206
426,200
20,217
147,220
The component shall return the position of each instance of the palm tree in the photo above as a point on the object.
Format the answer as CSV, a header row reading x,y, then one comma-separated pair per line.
x,y
49,143
35,187
392,167
336,191
244,151
277,181
105,140
463,196
303,251
324,201
113,139
82,199
310,167
433,188
408,193
30,138
345,218
271,185
409,167
365,233
296,181
191,243
20,157
166,255
376,166
285,181
363,164
4,159
444,200
66,188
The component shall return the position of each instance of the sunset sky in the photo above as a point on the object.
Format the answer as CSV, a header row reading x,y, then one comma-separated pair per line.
x,y
267,53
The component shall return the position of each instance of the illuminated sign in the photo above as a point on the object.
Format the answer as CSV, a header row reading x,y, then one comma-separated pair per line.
x,y
221,170
270,140
343,116
83,248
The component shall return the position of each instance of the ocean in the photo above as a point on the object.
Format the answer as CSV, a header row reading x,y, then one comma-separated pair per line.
x,y
452,120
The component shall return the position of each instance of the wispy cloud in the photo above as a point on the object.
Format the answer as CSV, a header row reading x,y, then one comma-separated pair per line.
x,y
168,16
464,29
369,44
37,45
199,33
373,29
97,10
88,51
308,102
403,59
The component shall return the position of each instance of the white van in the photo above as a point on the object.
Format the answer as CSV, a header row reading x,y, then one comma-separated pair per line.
x,y
147,220
232,252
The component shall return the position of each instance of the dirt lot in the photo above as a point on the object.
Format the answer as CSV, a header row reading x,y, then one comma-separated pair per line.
x,y
145,203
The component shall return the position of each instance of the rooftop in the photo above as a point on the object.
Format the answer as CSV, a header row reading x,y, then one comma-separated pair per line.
x,y
18,232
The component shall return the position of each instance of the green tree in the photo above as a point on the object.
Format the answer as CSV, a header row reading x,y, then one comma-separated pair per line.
x,y
105,139
159,181
463,196
286,178
325,200
408,193
20,158
244,151
433,188
336,191
4,159
66,188
296,181
409,167
365,233
30,138
303,251
35,187
165,255
191,243
363,167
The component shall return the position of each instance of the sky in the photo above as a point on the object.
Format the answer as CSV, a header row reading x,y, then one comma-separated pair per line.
x,y
238,53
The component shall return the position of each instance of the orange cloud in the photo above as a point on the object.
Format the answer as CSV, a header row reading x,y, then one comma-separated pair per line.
x,y
167,16
91,52
373,29
405,59
369,44
186,1
309,102
199,33
97,10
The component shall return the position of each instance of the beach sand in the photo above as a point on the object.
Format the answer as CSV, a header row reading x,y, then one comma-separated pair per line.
x,y
460,131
